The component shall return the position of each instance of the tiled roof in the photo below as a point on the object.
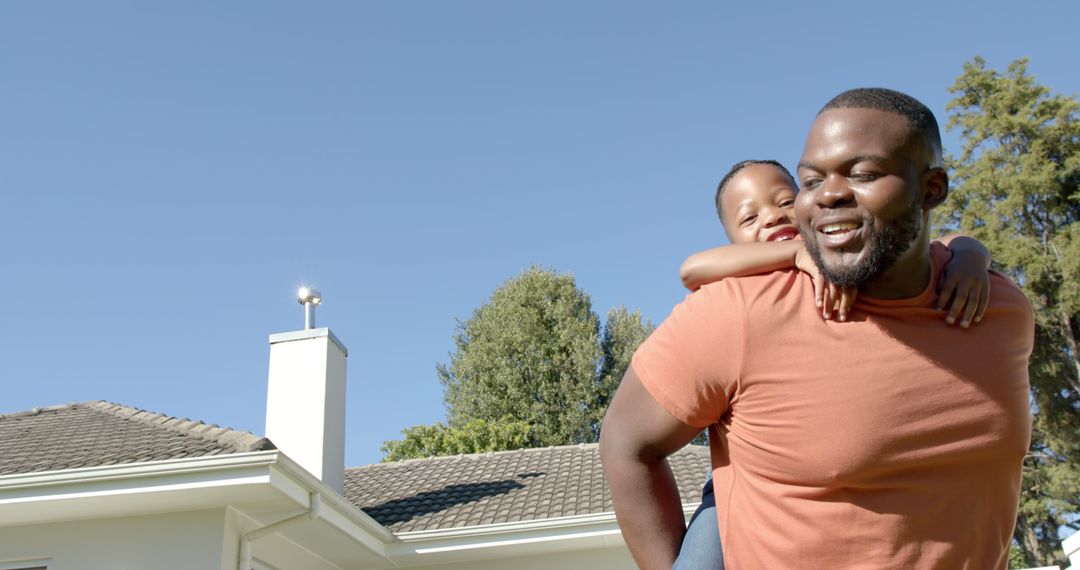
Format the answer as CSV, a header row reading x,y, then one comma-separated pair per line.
x,y
91,434
404,496
505,486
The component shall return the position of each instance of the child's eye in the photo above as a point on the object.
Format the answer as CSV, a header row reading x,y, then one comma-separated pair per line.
x,y
748,219
787,203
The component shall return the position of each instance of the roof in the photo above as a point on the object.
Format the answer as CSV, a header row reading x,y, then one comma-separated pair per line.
x,y
91,434
499,487
404,496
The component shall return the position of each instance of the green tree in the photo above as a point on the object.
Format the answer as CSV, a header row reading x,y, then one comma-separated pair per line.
x,y
476,436
533,355
623,332
529,354
1016,187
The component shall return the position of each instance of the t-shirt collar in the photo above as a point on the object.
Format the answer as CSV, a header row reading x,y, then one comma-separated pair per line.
x,y
939,255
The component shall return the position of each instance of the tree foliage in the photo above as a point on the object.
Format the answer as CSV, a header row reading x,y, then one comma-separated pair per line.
x,y
1016,187
533,355
476,436
623,333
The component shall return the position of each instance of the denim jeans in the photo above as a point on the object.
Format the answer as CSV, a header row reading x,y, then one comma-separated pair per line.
x,y
700,548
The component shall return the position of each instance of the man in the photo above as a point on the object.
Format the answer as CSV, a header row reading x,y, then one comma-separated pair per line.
x,y
888,441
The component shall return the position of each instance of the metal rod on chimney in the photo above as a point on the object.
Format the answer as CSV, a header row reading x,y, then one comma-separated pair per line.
x,y
310,299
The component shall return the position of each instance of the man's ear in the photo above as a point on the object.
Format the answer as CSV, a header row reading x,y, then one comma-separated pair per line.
x,y
935,183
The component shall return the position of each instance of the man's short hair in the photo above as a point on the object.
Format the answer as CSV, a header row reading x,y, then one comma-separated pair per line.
x,y
919,117
735,170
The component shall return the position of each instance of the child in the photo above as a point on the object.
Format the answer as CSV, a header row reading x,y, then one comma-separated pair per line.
x,y
755,200
755,203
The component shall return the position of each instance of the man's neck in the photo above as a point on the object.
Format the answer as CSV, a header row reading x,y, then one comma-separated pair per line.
x,y
908,277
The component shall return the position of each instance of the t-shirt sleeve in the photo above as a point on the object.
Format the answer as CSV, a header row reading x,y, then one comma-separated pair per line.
x,y
691,363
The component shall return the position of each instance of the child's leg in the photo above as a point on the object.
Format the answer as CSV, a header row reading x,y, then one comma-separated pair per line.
x,y
700,548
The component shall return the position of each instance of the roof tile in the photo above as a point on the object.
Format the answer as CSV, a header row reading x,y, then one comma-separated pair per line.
x,y
507,486
405,496
96,433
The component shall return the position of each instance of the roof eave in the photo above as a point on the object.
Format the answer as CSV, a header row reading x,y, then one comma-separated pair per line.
x,y
271,477
267,478
543,536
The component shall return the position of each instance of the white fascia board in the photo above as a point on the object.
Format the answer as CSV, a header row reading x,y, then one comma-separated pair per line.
x,y
506,540
268,480
137,488
544,536
138,470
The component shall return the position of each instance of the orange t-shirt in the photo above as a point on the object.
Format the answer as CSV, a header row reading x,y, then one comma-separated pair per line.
x,y
888,441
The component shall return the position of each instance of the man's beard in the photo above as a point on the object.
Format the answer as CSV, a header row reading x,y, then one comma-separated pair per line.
x,y
885,247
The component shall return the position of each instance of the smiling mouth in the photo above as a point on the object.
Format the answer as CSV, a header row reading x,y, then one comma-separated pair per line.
x,y
838,234
784,234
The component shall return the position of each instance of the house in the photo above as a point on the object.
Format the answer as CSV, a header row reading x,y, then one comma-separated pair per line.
x,y
101,485
98,485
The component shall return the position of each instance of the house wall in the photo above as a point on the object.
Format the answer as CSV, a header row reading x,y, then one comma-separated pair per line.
x,y
195,540
178,541
271,551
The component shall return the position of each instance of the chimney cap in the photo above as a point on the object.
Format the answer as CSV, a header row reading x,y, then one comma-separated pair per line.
x,y
308,295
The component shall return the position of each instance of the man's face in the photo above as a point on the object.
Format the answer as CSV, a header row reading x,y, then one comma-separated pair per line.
x,y
861,205
757,205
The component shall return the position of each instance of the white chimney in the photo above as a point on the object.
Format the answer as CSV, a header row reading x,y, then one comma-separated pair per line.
x,y
305,397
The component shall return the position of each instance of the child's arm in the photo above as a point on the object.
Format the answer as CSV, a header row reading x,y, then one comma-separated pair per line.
x,y
740,260
965,281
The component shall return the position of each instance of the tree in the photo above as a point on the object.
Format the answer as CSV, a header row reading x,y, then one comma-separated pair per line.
x,y
1016,187
533,355
476,436
529,354
623,333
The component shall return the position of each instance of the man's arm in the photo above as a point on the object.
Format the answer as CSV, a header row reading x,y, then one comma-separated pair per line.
x,y
636,437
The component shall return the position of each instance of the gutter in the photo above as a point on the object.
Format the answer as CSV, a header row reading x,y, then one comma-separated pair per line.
x,y
313,512
138,470
543,536
46,495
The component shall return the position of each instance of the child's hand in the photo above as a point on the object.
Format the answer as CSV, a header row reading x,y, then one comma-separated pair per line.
x,y
840,301
827,296
966,284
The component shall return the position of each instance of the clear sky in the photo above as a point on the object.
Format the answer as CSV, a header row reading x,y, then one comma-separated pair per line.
x,y
172,172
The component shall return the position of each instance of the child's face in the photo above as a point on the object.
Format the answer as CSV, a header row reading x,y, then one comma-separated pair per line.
x,y
757,205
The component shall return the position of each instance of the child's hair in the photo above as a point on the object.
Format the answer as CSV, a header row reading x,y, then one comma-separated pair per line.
x,y
735,170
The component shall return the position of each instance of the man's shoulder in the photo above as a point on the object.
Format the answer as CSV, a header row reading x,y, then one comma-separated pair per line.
x,y
1005,293
782,279
1001,279
768,301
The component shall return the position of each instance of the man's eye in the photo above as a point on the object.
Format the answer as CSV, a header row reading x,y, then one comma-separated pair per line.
x,y
865,176
810,183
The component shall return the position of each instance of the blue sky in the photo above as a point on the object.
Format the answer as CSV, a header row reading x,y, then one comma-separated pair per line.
x,y
172,172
